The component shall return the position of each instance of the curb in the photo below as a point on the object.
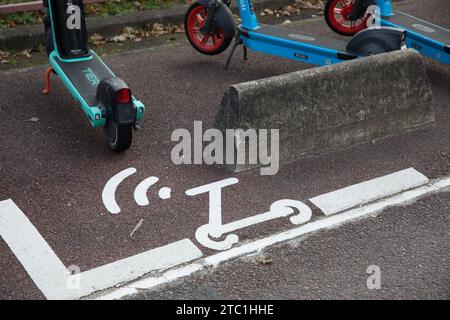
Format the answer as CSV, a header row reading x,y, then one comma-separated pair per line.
x,y
31,36
339,106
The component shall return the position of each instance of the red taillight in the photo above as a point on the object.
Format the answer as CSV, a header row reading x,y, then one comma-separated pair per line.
x,y
123,96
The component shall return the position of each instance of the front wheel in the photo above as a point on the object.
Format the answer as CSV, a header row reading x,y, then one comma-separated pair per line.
x,y
337,15
211,43
118,137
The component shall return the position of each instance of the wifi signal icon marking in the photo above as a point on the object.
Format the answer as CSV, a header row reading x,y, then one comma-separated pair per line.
x,y
140,193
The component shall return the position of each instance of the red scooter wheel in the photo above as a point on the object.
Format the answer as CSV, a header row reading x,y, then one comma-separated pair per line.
x,y
337,17
212,43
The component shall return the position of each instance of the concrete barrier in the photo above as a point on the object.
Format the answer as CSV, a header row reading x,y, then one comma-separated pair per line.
x,y
334,107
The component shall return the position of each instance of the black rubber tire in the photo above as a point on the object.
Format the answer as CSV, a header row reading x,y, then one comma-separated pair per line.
x,y
118,137
226,43
325,13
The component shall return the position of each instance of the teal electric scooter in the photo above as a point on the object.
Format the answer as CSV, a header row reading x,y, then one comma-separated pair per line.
x,y
105,99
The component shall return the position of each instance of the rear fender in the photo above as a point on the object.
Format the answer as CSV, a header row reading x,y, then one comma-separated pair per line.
x,y
374,41
222,17
122,113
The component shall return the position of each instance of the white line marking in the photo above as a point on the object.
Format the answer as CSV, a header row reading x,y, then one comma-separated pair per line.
x,y
42,264
368,191
164,193
109,191
258,245
168,276
442,183
118,294
151,282
51,276
140,193
131,268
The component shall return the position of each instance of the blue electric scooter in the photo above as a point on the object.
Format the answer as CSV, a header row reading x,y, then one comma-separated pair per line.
x,y
106,99
348,17
210,28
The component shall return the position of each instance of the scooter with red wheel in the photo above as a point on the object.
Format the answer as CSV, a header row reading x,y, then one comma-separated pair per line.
x,y
348,17
210,28
105,99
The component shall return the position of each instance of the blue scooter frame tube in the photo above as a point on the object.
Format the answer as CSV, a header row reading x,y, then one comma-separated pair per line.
x,y
281,47
248,16
385,7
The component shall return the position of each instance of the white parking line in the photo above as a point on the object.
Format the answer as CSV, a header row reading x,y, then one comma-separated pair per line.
x,y
161,258
42,264
52,277
365,192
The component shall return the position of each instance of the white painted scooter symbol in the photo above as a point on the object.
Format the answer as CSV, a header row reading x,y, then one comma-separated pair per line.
x,y
216,229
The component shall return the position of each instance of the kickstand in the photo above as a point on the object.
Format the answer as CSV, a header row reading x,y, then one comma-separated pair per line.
x,y
237,42
49,71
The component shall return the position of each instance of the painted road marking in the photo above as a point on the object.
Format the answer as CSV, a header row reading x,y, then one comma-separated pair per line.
x,y
51,276
442,183
215,229
133,267
370,209
109,191
140,193
33,252
368,191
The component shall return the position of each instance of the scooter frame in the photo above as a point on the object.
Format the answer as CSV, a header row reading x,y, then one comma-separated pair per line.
x,y
415,40
305,48
273,45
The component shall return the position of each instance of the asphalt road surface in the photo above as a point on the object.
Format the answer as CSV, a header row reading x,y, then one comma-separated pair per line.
x,y
55,170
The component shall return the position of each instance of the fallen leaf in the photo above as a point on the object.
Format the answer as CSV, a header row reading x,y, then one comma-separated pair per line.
x,y
26,54
33,119
97,39
119,38
263,260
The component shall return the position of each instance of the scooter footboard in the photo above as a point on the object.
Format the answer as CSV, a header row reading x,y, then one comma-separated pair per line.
x,y
377,40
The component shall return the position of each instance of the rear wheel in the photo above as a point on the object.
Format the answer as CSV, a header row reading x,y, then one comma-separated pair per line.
x,y
118,137
337,14
212,43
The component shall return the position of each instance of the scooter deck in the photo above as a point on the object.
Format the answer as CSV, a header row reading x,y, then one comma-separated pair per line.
x,y
291,44
425,28
292,35
84,76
